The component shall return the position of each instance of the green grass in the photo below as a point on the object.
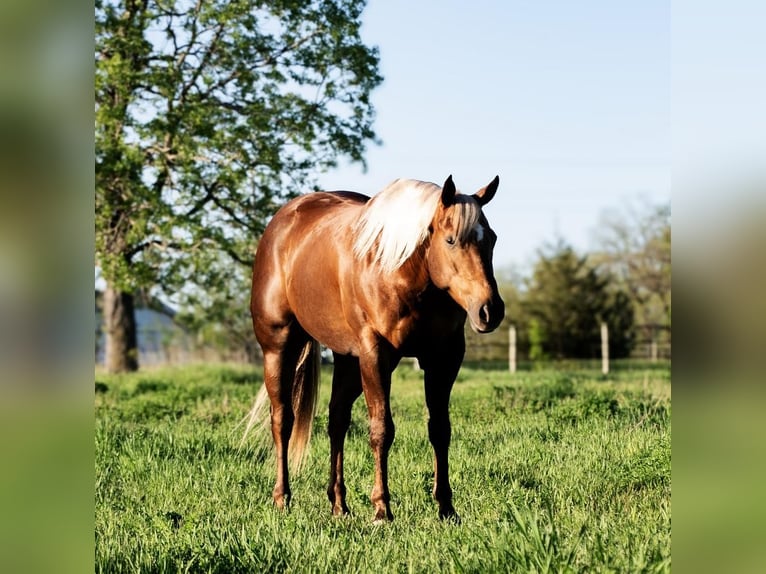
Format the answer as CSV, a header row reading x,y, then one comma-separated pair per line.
x,y
552,470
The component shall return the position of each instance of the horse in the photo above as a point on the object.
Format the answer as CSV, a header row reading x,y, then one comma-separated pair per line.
x,y
374,280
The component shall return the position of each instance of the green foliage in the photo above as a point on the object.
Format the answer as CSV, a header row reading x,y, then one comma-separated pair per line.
x,y
566,301
208,116
635,249
536,341
553,471
620,319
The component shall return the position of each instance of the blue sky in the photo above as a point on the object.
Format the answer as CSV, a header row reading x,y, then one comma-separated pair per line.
x,y
569,102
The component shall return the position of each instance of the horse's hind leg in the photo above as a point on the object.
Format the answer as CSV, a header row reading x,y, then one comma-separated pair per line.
x,y
281,420
278,373
346,388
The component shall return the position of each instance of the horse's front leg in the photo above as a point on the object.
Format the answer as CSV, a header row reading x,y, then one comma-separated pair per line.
x,y
376,384
440,372
346,387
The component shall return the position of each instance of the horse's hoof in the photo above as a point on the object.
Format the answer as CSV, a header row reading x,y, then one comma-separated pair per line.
x,y
382,517
341,512
282,503
284,508
450,516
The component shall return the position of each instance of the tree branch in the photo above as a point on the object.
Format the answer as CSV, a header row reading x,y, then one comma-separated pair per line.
x,y
201,202
136,249
236,257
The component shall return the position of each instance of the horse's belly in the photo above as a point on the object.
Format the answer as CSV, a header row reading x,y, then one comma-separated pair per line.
x,y
329,333
314,297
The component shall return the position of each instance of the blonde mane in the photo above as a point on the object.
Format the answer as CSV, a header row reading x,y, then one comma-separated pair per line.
x,y
395,222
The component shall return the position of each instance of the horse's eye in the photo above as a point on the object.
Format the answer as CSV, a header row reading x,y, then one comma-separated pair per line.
x,y
451,240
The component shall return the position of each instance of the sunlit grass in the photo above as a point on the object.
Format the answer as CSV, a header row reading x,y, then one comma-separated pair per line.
x,y
552,471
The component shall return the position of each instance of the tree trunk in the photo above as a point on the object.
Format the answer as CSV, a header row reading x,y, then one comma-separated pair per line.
x,y
120,328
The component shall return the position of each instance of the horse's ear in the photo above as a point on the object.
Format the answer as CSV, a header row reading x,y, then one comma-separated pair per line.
x,y
485,194
448,192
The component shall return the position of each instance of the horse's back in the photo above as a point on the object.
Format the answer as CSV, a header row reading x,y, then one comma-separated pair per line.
x,y
301,216
299,259
324,203
298,216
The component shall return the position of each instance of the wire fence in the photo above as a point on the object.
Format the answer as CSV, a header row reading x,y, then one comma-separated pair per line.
x,y
170,345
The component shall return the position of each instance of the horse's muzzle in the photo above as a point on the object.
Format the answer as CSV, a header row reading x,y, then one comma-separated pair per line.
x,y
487,316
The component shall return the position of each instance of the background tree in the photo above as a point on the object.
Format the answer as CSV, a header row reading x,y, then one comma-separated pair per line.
x,y
565,302
634,247
208,116
220,319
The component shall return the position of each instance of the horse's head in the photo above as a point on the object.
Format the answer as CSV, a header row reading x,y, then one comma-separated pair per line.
x,y
460,255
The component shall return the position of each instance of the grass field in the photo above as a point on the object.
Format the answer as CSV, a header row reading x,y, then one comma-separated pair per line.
x,y
553,471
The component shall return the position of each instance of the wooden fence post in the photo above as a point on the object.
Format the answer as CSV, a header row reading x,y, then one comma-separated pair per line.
x,y
512,348
604,349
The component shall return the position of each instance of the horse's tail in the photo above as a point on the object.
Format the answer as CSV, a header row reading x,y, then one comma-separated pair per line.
x,y
305,394
304,402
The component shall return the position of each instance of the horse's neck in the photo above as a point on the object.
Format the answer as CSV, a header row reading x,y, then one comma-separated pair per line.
x,y
412,277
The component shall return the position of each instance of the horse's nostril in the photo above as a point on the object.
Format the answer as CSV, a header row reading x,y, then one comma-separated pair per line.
x,y
484,313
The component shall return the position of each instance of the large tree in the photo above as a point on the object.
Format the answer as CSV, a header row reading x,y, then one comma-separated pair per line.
x,y
634,247
565,303
208,116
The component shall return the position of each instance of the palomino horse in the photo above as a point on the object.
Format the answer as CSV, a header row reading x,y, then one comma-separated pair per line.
x,y
374,280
